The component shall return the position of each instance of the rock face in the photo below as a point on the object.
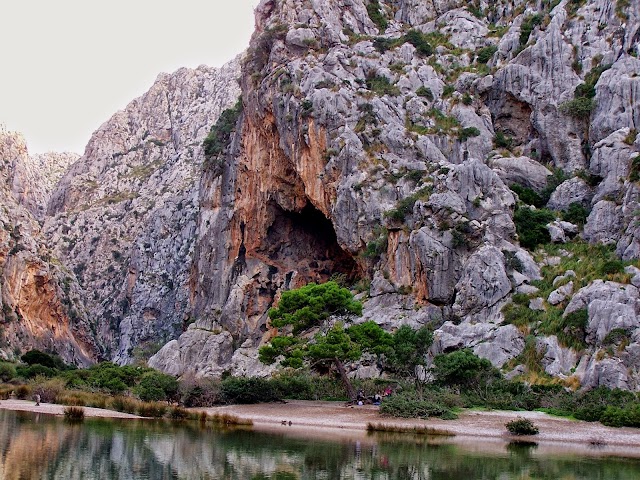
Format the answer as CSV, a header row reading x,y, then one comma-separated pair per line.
x,y
123,217
41,306
361,155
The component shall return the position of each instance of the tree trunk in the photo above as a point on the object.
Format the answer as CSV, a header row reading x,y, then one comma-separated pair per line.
x,y
343,375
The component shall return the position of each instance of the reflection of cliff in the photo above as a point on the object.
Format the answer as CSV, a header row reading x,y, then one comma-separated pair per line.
x,y
48,448
28,453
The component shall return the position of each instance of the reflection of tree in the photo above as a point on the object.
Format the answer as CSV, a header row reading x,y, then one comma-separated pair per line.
x,y
159,450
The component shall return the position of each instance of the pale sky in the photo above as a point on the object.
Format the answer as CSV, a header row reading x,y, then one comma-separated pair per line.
x,y
68,65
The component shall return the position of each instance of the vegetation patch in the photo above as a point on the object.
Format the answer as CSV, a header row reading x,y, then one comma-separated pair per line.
x,y
405,206
531,226
484,54
522,426
376,15
528,24
416,430
380,85
220,134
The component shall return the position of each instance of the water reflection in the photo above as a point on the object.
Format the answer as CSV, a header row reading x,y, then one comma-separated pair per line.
x,y
42,447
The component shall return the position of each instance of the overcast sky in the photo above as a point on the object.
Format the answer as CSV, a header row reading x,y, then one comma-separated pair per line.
x,y
68,65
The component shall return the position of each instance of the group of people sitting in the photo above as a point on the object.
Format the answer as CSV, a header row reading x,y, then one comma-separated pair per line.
x,y
362,399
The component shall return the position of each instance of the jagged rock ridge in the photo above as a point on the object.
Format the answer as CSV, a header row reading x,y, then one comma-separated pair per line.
x,y
123,217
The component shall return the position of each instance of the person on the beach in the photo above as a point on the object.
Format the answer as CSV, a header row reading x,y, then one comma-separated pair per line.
x,y
37,399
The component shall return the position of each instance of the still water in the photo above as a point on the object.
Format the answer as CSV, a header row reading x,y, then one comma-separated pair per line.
x,y
44,447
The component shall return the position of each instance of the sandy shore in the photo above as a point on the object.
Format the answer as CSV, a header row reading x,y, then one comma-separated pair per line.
x,y
335,421
54,409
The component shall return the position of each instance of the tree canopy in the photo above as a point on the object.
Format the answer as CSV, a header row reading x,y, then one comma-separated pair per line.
x,y
307,306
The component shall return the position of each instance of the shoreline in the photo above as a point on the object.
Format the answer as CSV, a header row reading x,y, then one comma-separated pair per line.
x,y
474,429
338,422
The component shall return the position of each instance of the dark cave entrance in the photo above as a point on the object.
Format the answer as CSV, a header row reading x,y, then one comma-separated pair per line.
x,y
306,242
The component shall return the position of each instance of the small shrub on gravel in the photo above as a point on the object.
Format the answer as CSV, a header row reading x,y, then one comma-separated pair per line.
x,y
410,405
521,426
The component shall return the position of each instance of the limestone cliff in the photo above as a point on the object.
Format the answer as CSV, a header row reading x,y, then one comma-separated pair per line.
x,y
378,141
41,308
123,217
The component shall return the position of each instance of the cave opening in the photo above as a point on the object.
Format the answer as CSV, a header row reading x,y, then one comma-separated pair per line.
x,y
306,242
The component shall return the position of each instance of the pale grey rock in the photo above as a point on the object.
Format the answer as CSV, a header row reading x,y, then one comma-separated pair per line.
x,y
604,223
196,352
635,272
557,360
574,190
528,289
506,343
34,177
552,261
393,311
245,362
484,281
617,92
300,37
610,305
562,278
380,285
463,28
559,295
518,279
521,171
556,233
537,304
529,266
519,370
608,372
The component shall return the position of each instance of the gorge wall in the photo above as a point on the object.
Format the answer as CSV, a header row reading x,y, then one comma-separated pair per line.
x,y
41,307
378,141
393,145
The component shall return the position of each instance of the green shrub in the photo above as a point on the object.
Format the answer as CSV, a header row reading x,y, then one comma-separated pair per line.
x,y
579,108
634,171
152,409
528,24
467,133
611,267
34,371
501,140
380,85
484,54
307,306
425,92
573,329
522,426
36,357
531,226
408,349
410,405
243,390
375,14
220,133
448,90
155,386
7,371
420,41
629,416
576,213
527,195
462,368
